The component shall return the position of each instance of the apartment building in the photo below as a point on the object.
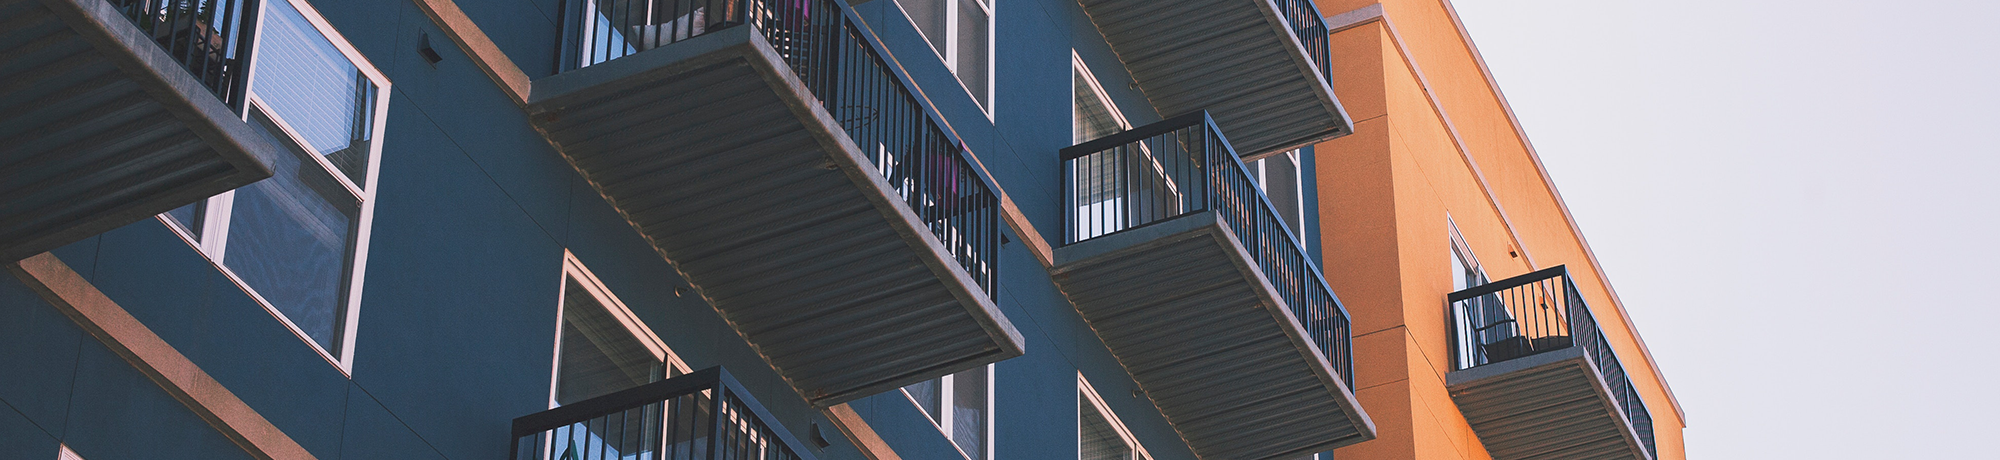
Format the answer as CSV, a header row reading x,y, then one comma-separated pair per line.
x,y
562,229
1484,327
772,229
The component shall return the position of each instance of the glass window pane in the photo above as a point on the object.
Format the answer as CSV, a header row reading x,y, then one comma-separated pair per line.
x,y
599,354
929,15
291,239
968,411
929,397
1096,439
1092,119
972,59
1281,186
307,82
190,217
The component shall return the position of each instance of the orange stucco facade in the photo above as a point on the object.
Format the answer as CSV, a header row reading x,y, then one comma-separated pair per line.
x,y
1435,140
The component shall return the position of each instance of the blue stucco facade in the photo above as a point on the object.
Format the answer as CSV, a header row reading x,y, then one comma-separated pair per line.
x,y
472,217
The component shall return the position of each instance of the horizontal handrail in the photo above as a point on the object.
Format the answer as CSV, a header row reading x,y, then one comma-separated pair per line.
x,y
1541,311
702,412
1182,166
1509,283
842,64
1132,135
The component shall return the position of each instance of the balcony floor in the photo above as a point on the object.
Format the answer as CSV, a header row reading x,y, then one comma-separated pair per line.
x,y
1201,330
716,153
1234,58
100,128
1551,405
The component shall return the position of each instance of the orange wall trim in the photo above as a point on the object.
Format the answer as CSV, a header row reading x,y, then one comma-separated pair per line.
x,y
479,47
160,362
858,432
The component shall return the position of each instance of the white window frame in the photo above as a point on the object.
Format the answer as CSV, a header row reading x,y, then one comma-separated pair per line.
x,y
1089,392
215,218
1461,252
1076,62
950,52
573,269
944,418
1298,183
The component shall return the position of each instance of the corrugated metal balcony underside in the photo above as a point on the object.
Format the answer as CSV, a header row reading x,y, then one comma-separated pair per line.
x,y
1551,405
100,128
1234,58
1205,336
713,151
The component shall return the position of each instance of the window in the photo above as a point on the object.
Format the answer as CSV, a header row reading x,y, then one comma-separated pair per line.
x,y
1099,434
1104,182
961,405
961,31
1486,320
1281,178
297,242
1092,114
601,346
1465,268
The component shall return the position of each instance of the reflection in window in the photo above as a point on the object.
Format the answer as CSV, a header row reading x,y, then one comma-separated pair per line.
x,y
1100,436
1099,441
291,239
961,32
961,405
294,241
1091,116
1281,178
598,354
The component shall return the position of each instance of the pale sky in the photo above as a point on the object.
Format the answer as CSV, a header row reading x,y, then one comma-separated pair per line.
x,y
1795,199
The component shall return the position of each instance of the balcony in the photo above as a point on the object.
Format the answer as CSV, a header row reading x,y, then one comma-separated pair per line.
x,y
1534,376
705,414
1260,67
1180,265
765,149
114,111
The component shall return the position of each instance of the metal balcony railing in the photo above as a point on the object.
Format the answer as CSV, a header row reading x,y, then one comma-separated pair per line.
x,y
1311,30
1537,313
840,63
209,38
701,415
1182,166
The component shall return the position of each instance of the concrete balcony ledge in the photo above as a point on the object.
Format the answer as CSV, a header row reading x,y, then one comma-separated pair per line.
x,y
1184,307
1259,66
100,127
719,155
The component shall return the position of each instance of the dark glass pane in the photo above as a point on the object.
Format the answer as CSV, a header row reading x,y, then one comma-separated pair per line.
x,y
190,217
930,17
968,412
291,239
1091,118
929,396
599,354
972,23
1096,439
